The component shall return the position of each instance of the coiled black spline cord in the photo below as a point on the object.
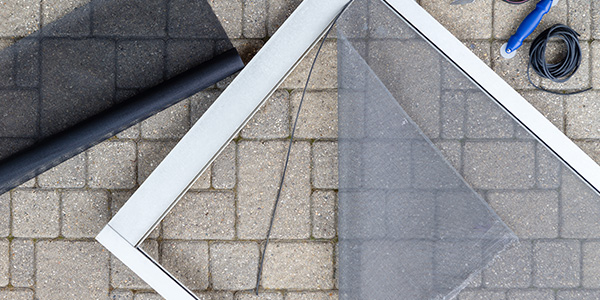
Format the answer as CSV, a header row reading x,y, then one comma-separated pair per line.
x,y
563,70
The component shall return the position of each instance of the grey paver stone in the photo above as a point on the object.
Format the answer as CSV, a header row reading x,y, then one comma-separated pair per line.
x,y
325,165
591,148
318,117
200,102
19,18
52,10
122,277
224,168
22,268
214,295
298,266
530,214
181,54
121,295
132,132
187,261
511,269
272,120
507,18
278,11
5,214
150,155
530,295
481,295
71,270
595,61
261,296
112,165
16,295
327,295
148,296
233,266
203,182
581,111
229,13
324,74
21,106
452,152
464,21
171,123
84,213
4,263
497,165
556,264
485,119
591,265
35,214
133,57
323,214
69,174
150,21
578,295
514,70
595,19
550,105
204,215
260,167
548,168
580,210
255,19
454,113
580,17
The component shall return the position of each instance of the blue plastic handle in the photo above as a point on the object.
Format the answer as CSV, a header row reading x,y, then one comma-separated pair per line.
x,y
528,25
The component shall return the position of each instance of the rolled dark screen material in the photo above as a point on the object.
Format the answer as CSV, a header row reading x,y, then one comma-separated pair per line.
x,y
99,70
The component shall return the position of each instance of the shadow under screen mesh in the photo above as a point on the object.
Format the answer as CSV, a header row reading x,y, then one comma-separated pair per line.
x,y
99,70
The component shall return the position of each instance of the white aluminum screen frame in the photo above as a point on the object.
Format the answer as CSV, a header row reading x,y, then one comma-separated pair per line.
x,y
250,89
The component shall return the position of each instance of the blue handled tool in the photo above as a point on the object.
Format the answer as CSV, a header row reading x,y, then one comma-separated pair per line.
x,y
528,25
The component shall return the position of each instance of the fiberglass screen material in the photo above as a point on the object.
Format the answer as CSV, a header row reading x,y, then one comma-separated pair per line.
x,y
414,134
98,70
410,226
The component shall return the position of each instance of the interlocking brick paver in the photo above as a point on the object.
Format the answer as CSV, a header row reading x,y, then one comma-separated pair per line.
x,y
200,102
138,56
71,270
5,215
233,266
261,296
16,295
464,21
215,295
485,118
550,105
323,214
84,213
150,155
255,19
203,215
122,277
483,169
22,268
69,174
229,13
481,295
530,295
224,168
514,70
325,165
318,117
452,152
52,10
272,120
333,295
595,19
112,165
260,167
556,264
591,265
591,148
580,210
580,19
35,214
148,296
19,18
578,295
324,74
595,61
187,261
580,111
121,295
511,269
151,21
4,263
530,214
278,11
298,266
171,123
548,168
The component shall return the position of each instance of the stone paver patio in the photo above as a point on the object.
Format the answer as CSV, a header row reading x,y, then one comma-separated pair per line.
x,y
212,239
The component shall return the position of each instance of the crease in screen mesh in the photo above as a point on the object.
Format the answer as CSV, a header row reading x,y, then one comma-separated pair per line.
x,y
99,70
410,227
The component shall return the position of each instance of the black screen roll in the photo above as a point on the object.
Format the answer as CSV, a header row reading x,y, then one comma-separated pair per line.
x,y
98,70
